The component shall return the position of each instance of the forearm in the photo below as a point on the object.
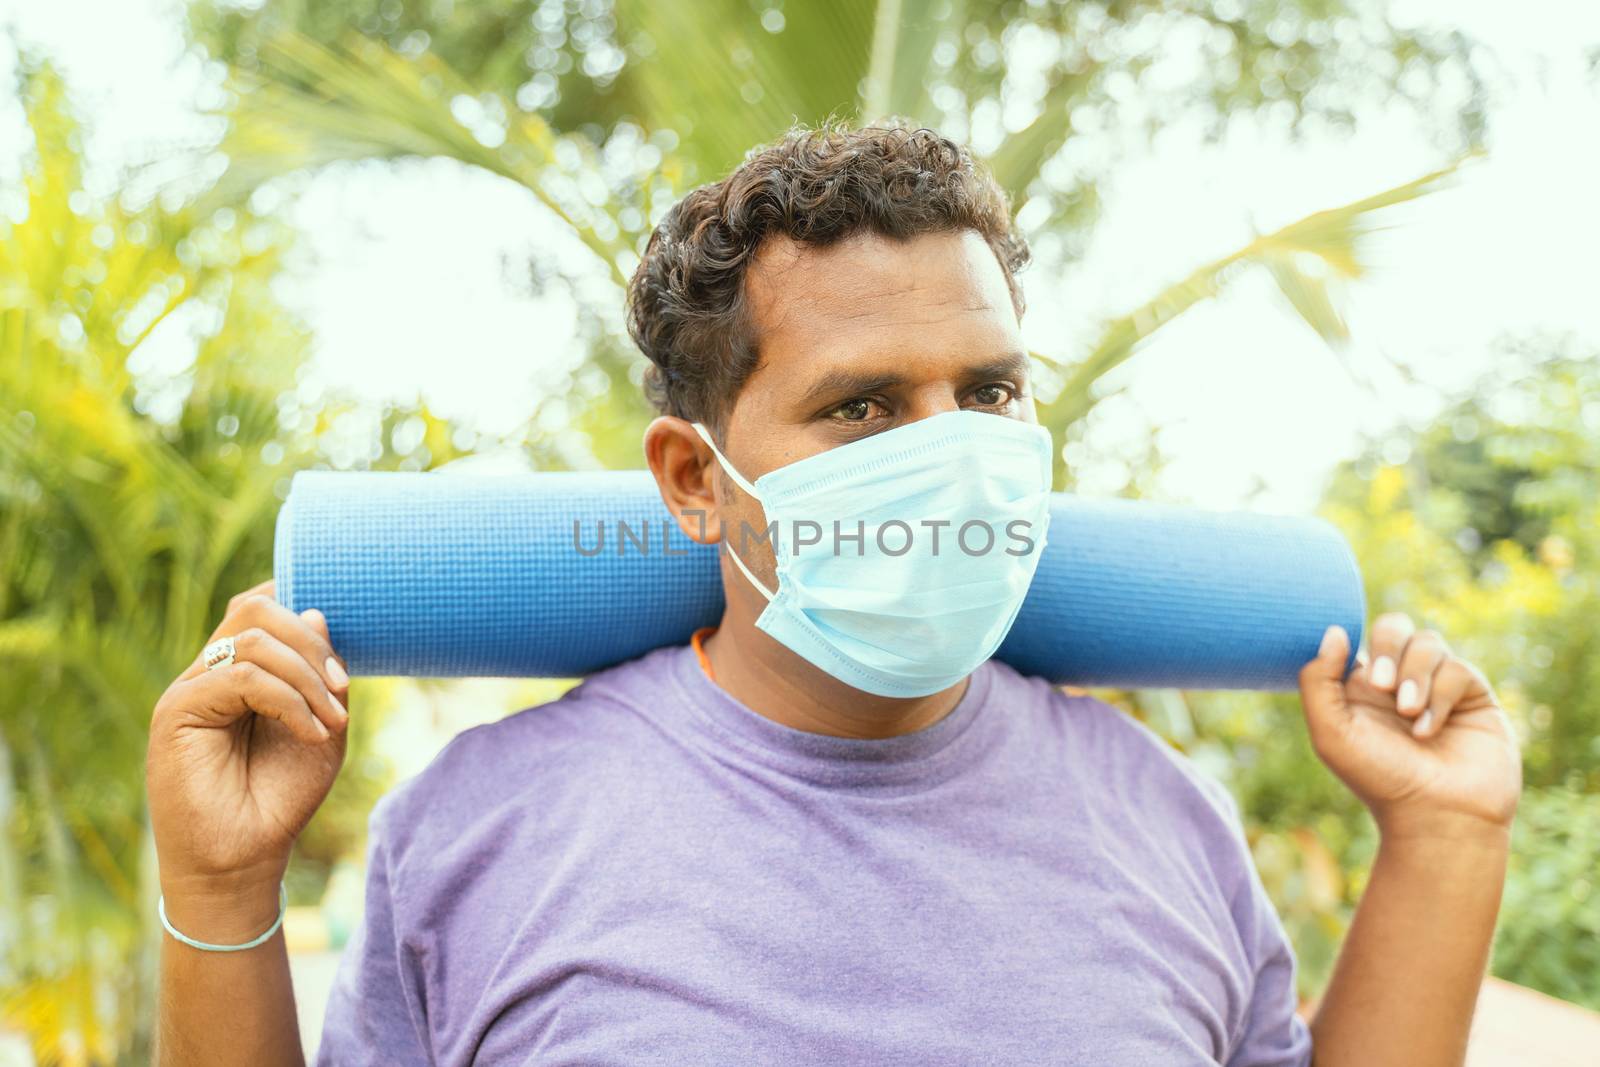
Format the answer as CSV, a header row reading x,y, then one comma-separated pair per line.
x,y
221,1009
1407,980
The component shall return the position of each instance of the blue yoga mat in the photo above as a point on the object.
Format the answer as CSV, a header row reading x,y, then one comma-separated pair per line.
x,y
439,575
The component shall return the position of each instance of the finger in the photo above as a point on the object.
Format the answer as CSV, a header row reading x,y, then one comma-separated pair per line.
x,y
1421,658
263,611
1390,632
338,677
1456,684
1322,689
257,646
229,693
268,588
1358,687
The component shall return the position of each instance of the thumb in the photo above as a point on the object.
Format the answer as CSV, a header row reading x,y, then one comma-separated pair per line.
x,y
1322,685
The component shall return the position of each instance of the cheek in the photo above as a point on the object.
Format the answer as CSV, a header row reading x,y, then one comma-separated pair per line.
x,y
743,525
744,531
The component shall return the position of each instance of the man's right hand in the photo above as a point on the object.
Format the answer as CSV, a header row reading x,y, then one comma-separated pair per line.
x,y
240,758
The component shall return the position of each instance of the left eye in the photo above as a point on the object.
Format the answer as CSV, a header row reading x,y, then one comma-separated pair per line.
x,y
991,395
858,410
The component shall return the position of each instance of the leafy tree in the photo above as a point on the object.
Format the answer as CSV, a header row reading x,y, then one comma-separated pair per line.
x,y
671,94
151,405
1489,529
129,499
150,416
1503,485
1051,69
1549,936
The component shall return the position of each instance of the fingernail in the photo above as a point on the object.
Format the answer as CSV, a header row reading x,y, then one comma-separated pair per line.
x,y
336,673
1407,695
1328,641
1383,672
1424,721
321,729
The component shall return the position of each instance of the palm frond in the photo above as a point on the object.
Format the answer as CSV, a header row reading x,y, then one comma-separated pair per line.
x,y
315,105
30,637
1331,239
1021,156
904,34
727,82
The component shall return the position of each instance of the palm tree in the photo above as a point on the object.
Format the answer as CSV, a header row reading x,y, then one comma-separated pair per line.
x,y
310,104
123,512
147,431
148,413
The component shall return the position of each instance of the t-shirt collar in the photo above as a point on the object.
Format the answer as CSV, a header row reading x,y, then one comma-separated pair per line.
x,y
919,756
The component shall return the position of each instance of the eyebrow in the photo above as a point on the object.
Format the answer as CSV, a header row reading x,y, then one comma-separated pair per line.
x,y
1011,364
842,383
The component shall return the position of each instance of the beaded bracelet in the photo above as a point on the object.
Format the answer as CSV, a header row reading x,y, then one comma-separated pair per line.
x,y
283,906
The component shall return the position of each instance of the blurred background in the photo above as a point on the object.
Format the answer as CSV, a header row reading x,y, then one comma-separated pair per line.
x,y
1329,256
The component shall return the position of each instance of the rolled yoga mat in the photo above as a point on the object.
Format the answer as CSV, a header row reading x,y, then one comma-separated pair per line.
x,y
438,575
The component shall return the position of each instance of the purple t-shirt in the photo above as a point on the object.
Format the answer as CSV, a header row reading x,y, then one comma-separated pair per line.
x,y
647,872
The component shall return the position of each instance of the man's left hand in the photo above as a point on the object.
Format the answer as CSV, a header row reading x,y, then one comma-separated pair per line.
x,y
1414,731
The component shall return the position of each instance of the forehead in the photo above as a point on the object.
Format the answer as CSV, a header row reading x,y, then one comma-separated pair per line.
x,y
932,295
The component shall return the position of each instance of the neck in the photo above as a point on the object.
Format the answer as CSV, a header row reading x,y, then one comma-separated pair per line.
x,y
775,683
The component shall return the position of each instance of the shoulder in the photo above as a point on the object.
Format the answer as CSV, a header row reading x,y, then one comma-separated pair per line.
x,y
1128,769
529,760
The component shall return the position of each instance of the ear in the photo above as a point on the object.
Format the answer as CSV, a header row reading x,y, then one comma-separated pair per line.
x,y
684,469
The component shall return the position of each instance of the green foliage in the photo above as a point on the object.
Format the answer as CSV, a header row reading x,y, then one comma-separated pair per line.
x,y
300,103
1332,240
149,420
131,497
117,530
152,405
757,65
1550,936
1489,530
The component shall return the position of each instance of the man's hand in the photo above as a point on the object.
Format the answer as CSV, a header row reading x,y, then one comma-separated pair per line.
x,y
240,757
1415,732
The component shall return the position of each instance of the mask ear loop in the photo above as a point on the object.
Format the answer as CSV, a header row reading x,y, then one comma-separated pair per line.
x,y
739,480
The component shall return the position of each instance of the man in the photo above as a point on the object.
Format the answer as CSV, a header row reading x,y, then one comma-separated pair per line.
x,y
829,831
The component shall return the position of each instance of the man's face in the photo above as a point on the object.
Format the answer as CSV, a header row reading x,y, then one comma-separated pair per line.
x,y
860,337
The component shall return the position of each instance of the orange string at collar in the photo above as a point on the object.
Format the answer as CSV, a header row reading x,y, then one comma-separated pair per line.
x,y
697,641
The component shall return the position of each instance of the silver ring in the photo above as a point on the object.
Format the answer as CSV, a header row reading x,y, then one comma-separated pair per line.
x,y
218,653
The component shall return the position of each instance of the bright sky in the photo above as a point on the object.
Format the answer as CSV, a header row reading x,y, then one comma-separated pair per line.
x,y
409,278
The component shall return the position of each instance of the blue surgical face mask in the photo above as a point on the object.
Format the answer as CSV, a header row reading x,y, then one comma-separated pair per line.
x,y
902,558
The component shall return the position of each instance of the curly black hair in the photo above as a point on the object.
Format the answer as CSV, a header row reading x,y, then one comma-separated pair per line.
x,y
817,186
